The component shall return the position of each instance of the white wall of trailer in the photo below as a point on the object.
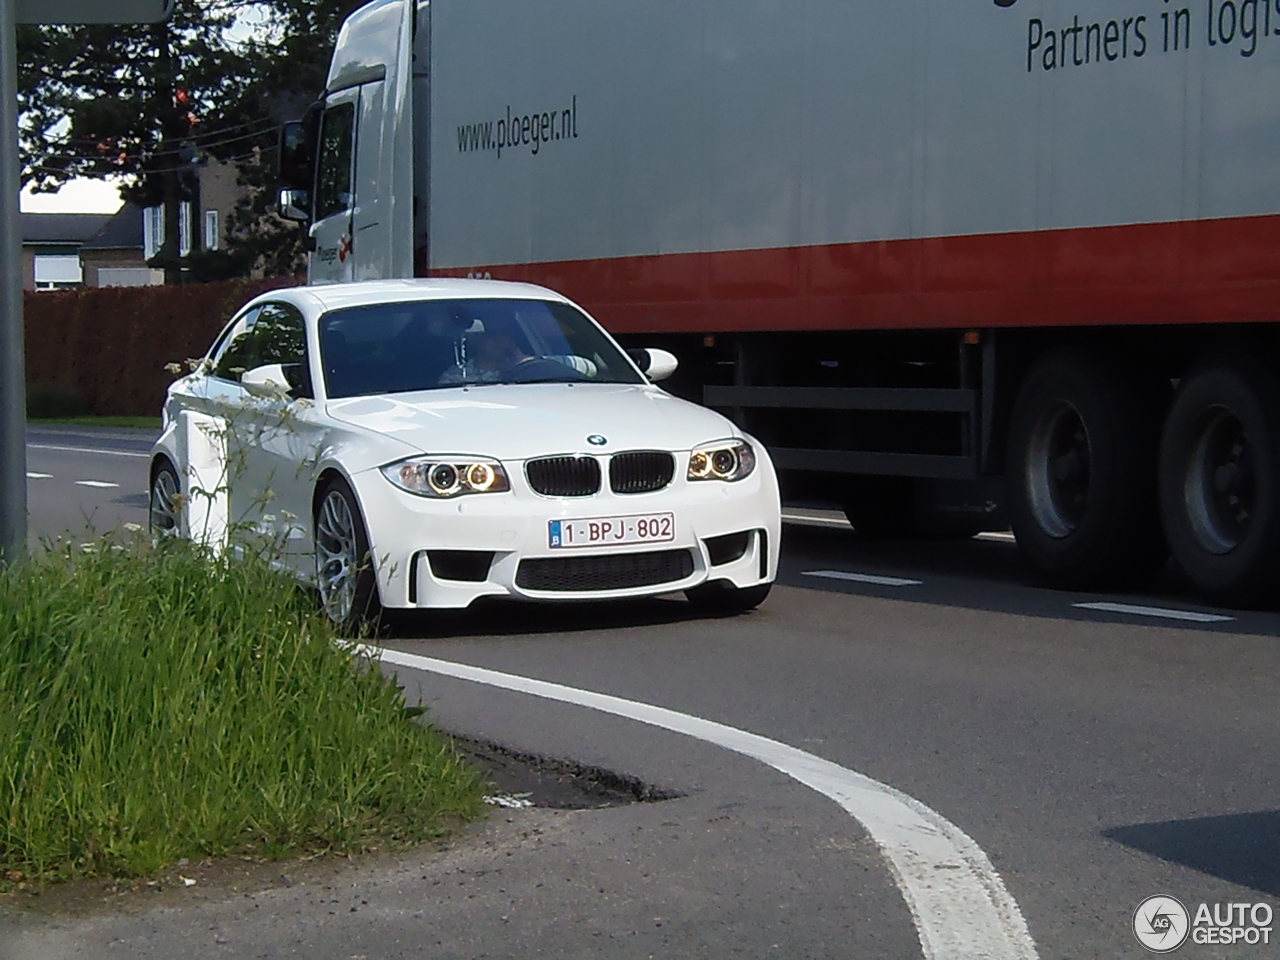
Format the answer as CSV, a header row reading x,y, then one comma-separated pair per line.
x,y
707,125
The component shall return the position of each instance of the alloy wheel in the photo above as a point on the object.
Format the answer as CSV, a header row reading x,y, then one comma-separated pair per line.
x,y
337,557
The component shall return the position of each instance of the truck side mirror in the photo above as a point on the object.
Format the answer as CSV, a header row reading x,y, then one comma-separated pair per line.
x,y
294,205
297,154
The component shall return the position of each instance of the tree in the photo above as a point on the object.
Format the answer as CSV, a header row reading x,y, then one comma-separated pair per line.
x,y
130,101
290,61
148,103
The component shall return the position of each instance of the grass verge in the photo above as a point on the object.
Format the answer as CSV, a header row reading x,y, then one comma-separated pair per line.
x,y
156,704
144,423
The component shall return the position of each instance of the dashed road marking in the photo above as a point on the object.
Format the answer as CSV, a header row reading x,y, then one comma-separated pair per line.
x,y
999,536
39,476
957,899
1193,616
863,578
97,484
816,520
93,450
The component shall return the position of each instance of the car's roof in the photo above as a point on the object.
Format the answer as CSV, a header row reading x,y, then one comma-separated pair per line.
x,y
341,295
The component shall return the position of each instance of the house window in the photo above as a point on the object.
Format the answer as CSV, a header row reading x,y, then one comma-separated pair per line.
x,y
184,228
57,270
152,231
211,239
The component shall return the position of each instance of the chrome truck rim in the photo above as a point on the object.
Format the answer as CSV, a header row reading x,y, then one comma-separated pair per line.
x,y
1058,470
336,557
1219,485
164,511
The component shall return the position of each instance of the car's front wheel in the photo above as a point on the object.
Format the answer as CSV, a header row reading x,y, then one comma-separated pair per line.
x,y
722,599
344,568
163,507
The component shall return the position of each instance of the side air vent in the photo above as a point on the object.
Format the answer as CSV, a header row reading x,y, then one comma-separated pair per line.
x,y
564,476
468,566
726,549
641,472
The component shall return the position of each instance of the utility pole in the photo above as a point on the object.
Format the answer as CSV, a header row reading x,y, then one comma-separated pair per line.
x,y
13,413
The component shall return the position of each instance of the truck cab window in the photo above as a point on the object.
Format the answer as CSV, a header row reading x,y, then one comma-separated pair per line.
x,y
333,167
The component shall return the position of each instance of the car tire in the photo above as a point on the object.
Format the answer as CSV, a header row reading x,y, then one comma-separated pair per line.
x,y
721,598
345,575
1081,471
1220,480
163,510
880,507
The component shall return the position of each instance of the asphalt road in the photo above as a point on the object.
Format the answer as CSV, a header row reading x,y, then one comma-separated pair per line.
x,y
1097,757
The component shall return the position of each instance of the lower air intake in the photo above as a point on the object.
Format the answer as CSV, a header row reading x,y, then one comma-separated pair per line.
x,y
617,571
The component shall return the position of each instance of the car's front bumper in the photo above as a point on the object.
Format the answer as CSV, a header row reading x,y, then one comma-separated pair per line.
x,y
419,543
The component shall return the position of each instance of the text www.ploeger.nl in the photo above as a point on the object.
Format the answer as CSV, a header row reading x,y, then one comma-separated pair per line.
x,y
529,130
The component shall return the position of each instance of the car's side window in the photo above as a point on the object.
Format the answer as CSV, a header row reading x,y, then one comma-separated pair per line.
x,y
281,336
232,347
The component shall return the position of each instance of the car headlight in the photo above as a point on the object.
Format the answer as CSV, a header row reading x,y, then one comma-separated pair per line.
x,y
725,460
445,477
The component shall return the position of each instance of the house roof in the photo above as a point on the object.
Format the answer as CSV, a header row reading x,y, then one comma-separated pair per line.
x,y
123,231
60,228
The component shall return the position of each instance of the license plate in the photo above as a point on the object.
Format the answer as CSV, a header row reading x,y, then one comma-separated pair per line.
x,y
607,531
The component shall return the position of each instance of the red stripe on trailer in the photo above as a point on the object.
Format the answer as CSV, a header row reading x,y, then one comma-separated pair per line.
x,y
1199,271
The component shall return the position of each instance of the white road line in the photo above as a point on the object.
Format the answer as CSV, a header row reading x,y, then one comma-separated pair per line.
x,y
1194,616
93,450
1000,536
863,578
98,484
39,476
961,908
807,520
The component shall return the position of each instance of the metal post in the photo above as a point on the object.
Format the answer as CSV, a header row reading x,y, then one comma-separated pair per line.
x,y
13,414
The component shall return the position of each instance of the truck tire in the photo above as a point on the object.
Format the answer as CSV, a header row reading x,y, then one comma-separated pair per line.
x,y
1081,471
880,507
1219,485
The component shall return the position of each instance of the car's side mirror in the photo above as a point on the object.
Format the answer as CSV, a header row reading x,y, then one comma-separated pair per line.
x,y
271,381
654,363
294,205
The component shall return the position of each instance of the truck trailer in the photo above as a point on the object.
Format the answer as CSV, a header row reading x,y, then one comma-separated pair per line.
x,y
950,260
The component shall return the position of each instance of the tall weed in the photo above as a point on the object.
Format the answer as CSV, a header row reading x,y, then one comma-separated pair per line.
x,y
158,703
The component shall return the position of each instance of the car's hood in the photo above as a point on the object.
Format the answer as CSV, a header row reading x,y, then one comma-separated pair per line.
x,y
520,421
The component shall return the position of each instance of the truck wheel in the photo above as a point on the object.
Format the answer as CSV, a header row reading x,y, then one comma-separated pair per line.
x,y
880,507
1219,484
1081,471
344,567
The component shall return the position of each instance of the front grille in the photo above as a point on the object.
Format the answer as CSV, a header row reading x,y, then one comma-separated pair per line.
x,y
611,572
641,472
564,476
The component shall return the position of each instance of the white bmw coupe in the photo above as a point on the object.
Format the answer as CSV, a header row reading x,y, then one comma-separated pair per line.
x,y
422,444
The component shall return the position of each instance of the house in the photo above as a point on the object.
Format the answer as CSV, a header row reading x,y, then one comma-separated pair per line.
x,y
51,245
114,256
202,220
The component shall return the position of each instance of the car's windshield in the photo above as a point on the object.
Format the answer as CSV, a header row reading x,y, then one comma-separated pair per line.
x,y
431,344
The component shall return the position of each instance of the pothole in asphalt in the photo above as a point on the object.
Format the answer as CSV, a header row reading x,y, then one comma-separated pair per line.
x,y
518,779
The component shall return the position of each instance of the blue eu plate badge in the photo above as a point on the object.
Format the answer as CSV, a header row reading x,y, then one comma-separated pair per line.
x,y
555,533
